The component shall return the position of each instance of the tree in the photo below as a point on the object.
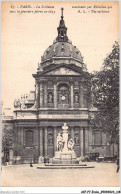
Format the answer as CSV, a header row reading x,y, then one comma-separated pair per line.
x,y
7,140
105,95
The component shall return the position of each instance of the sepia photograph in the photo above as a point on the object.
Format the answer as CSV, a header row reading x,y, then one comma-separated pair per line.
x,y
60,94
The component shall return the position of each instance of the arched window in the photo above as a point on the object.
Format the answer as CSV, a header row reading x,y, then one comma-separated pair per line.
x,y
29,138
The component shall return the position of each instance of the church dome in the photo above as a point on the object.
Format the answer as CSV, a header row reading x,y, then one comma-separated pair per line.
x,y
61,51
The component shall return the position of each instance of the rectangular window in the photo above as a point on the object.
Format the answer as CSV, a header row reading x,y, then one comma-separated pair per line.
x,y
29,138
97,138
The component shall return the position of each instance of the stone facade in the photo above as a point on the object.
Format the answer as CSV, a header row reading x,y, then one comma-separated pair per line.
x,y
60,96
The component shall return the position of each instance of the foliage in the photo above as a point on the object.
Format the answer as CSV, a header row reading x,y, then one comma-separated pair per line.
x,y
87,87
7,138
105,95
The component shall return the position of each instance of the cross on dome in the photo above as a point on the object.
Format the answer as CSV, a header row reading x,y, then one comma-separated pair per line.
x,y
62,30
62,12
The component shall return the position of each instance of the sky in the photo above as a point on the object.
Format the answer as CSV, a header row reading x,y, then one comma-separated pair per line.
x,y
25,37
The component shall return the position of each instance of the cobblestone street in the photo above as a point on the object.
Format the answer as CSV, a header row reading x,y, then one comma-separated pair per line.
x,y
103,175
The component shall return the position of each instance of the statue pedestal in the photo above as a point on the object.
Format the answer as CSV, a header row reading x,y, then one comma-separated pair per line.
x,y
68,157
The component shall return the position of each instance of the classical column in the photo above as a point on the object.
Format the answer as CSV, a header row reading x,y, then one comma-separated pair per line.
x,y
41,95
72,95
45,141
81,95
82,141
72,133
93,138
36,137
37,91
16,133
41,141
45,95
55,140
22,137
19,136
55,95
86,140
90,136
34,131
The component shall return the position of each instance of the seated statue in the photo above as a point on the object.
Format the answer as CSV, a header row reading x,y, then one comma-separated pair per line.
x,y
60,142
70,144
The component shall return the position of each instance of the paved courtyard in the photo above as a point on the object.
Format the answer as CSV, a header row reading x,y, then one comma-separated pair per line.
x,y
103,175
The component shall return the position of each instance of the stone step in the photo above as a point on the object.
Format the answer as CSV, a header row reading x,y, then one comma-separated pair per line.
x,y
66,162
64,167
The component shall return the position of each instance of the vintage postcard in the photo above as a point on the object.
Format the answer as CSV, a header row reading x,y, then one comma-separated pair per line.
x,y
60,94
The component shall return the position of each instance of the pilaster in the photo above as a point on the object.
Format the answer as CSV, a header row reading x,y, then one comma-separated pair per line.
x,y
72,95
55,139
41,141
37,93
45,95
82,141
41,95
45,141
86,140
81,95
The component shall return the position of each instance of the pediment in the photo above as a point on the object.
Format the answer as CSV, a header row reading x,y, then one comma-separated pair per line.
x,y
62,71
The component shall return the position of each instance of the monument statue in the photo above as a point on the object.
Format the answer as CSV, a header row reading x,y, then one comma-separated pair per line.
x,y
60,142
65,153
71,144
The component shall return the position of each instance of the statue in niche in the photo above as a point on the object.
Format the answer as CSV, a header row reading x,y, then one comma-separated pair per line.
x,y
71,144
60,142
76,139
76,98
50,98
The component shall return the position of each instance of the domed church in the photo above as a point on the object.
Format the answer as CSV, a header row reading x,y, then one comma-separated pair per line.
x,y
61,96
